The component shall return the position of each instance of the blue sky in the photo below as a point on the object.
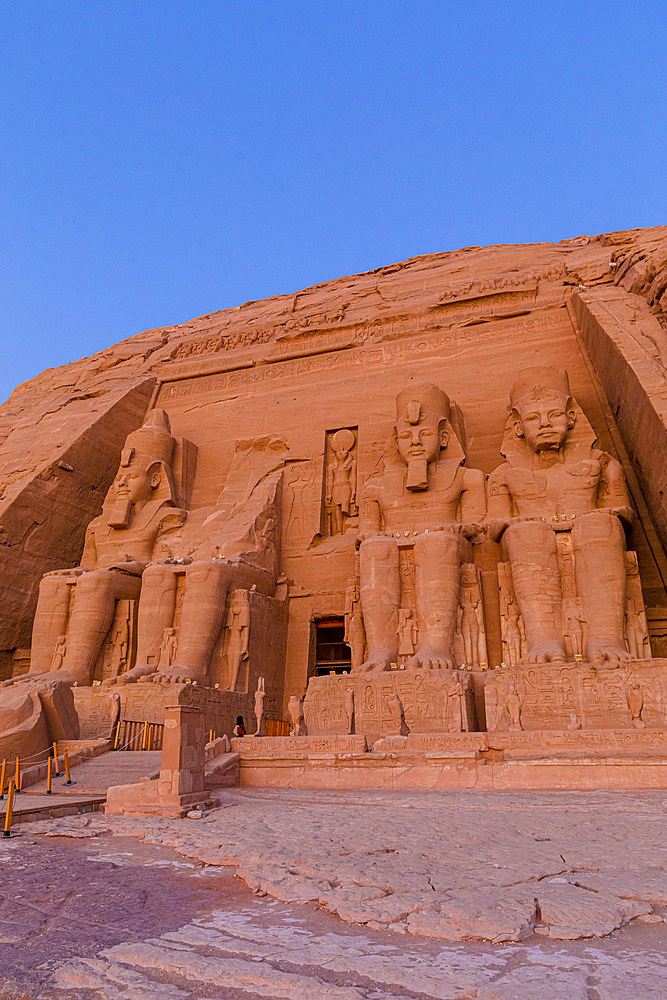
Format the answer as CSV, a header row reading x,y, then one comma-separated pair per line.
x,y
161,159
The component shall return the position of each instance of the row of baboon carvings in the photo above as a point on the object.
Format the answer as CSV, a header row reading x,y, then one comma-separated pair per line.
x,y
557,506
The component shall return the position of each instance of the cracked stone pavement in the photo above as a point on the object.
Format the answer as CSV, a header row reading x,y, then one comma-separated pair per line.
x,y
439,894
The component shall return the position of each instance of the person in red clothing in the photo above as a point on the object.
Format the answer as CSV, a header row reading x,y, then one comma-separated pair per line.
x,y
239,728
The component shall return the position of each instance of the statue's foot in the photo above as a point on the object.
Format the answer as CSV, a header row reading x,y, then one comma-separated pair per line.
x,y
375,664
546,651
602,650
131,676
177,674
431,658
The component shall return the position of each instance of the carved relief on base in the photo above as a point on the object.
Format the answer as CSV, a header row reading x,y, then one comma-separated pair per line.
x,y
394,702
577,696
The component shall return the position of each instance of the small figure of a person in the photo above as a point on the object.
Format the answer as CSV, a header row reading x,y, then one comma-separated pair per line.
x,y
239,728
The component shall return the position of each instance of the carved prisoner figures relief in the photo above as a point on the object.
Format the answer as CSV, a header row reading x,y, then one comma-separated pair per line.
x,y
427,501
340,499
576,696
558,506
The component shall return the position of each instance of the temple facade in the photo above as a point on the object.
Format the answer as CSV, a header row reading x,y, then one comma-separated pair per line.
x,y
425,500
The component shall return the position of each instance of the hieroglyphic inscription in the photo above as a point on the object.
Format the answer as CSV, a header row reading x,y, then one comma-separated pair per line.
x,y
348,359
280,745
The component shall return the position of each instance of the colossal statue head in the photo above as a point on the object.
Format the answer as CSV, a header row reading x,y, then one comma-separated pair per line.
x,y
422,429
543,411
144,474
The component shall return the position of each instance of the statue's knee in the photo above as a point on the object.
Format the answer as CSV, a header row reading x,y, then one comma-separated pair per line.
x,y
50,587
446,546
532,532
381,546
158,576
597,527
204,574
93,584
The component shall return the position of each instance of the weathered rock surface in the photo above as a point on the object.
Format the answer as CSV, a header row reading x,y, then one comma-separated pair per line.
x,y
61,433
97,927
455,866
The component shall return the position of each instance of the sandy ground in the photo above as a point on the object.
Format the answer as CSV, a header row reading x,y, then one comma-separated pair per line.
x,y
435,895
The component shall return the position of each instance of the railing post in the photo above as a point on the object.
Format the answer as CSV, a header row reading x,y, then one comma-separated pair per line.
x,y
10,810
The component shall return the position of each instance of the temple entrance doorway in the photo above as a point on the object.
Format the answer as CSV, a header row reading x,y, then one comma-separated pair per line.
x,y
332,655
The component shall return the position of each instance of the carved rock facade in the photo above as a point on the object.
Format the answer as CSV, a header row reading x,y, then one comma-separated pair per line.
x,y
408,503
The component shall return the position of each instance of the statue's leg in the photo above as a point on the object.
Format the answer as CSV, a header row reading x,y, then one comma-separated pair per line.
x,y
50,621
156,611
206,586
531,547
599,553
380,590
92,614
438,558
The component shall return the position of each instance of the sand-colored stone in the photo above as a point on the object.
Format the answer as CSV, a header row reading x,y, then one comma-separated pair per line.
x,y
453,867
328,455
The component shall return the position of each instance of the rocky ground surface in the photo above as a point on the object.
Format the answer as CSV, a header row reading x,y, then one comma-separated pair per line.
x,y
442,895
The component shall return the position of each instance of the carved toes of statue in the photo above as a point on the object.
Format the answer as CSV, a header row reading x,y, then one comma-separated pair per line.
x,y
547,651
603,650
374,665
431,659
176,674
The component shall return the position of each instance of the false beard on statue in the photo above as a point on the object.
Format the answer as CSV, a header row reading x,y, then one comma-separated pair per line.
x,y
120,514
417,477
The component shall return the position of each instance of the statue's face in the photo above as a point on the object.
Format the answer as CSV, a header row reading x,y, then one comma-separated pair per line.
x,y
135,483
544,421
422,439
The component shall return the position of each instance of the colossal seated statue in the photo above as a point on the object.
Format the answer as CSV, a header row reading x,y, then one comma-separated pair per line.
x,y
427,503
231,547
559,506
139,507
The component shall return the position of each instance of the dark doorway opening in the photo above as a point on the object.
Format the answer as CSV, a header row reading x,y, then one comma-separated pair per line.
x,y
332,655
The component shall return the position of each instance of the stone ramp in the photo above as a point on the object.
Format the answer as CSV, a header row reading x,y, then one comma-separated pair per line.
x,y
29,806
91,780
97,774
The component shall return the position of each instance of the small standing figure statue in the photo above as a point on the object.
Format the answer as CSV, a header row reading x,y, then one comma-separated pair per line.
x,y
470,614
167,648
453,711
635,700
407,632
513,708
349,709
59,653
355,634
341,492
259,707
295,709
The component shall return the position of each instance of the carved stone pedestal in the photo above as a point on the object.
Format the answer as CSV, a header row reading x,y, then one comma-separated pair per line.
x,y
395,702
180,786
573,696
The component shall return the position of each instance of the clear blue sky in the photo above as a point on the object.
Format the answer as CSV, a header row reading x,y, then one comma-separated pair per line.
x,y
162,159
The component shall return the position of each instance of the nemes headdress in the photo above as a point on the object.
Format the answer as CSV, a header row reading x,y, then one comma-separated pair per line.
x,y
422,396
152,440
539,379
